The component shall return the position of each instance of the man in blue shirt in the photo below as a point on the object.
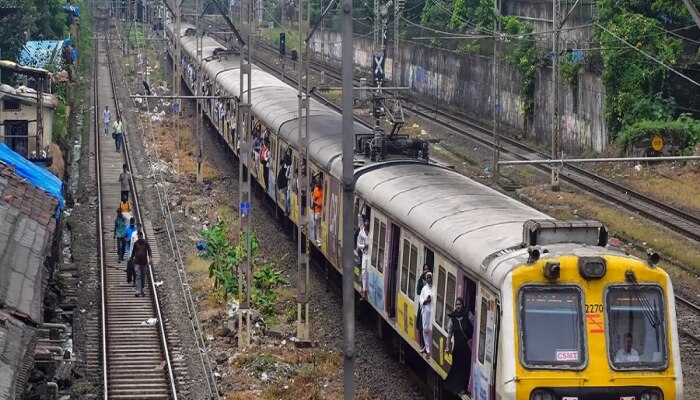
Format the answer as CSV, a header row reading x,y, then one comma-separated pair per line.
x,y
127,236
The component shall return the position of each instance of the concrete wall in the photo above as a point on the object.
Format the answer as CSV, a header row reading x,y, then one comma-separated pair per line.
x,y
464,82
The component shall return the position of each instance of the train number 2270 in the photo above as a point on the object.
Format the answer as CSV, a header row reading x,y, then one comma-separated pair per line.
x,y
594,308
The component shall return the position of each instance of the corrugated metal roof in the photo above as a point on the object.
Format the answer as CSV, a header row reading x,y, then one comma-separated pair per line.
x,y
17,343
41,53
26,229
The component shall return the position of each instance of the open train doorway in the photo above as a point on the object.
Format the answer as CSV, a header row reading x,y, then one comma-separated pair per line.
x,y
393,269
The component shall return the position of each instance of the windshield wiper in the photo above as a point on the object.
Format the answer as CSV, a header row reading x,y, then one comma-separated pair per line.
x,y
649,311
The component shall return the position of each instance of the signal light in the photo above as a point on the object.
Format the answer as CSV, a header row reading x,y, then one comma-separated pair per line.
x,y
283,47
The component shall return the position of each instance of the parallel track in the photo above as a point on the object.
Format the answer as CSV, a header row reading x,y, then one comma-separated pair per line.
x,y
135,356
696,310
673,218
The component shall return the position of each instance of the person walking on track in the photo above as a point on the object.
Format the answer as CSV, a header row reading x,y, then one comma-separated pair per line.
x,y
140,257
124,179
118,131
106,118
129,263
119,233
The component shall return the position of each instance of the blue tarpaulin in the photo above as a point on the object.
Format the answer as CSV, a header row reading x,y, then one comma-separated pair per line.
x,y
34,174
40,53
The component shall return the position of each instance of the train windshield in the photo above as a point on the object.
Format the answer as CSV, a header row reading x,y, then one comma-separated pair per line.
x,y
636,333
552,328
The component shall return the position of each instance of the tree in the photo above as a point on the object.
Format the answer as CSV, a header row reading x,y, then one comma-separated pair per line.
x,y
33,19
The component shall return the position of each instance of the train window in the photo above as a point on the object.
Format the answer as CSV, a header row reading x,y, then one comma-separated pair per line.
x,y
636,331
440,297
375,242
540,309
429,257
404,265
412,272
382,245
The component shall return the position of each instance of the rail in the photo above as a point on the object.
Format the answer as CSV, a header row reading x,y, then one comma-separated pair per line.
x,y
163,342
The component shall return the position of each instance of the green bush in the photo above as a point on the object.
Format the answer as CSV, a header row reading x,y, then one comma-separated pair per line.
x,y
226,258
685,128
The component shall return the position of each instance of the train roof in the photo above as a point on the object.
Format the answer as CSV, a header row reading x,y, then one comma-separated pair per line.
x,y
276,104
461,217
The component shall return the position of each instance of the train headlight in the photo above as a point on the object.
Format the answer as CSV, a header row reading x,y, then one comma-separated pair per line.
x,y
645,396
591,267
541,394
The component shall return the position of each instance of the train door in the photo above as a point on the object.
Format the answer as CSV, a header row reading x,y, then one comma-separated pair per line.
x,y
375,271
486,328
333,215
407,299
393,266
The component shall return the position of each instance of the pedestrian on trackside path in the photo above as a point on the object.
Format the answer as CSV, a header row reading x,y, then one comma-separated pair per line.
x,y
140,257
106,118
118,127
124,179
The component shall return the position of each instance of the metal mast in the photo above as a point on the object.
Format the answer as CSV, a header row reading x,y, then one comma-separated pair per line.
x,y
243,128
348,193
556,125
496,97
177,83
200,103
396,57
302,172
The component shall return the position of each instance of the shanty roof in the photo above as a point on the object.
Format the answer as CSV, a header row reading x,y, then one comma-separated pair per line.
x,y
41,53
26,231
17,343
26,95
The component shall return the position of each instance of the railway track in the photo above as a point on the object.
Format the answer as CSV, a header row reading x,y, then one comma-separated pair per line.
x,y
692,332
673,218
136,358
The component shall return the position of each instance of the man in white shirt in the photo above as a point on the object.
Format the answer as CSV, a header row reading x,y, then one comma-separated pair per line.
x,y
118,127
106,117
363,247
627,354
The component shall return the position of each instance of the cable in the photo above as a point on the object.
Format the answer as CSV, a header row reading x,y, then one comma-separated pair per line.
x,y
648,56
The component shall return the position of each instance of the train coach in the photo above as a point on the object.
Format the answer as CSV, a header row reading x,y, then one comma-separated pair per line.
x,y
557,314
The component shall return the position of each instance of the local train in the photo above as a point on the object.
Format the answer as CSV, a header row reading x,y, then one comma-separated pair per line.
x,y
554,306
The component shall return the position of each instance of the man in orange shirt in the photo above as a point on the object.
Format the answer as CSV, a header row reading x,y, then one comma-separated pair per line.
x,y
318,208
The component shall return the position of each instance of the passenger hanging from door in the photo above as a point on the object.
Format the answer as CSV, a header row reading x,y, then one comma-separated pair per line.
x,y
318,208
426,300
459,329
419,313
362,243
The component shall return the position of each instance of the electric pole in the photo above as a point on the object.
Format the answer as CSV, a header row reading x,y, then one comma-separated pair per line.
x,y
243,127
496,99
302,174
348,194
177,84
200,103
396,60
556,125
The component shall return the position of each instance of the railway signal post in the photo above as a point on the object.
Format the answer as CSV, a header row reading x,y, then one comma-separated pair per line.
x,y
243,126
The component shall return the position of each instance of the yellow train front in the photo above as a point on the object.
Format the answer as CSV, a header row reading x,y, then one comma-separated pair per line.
x,y
588,323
